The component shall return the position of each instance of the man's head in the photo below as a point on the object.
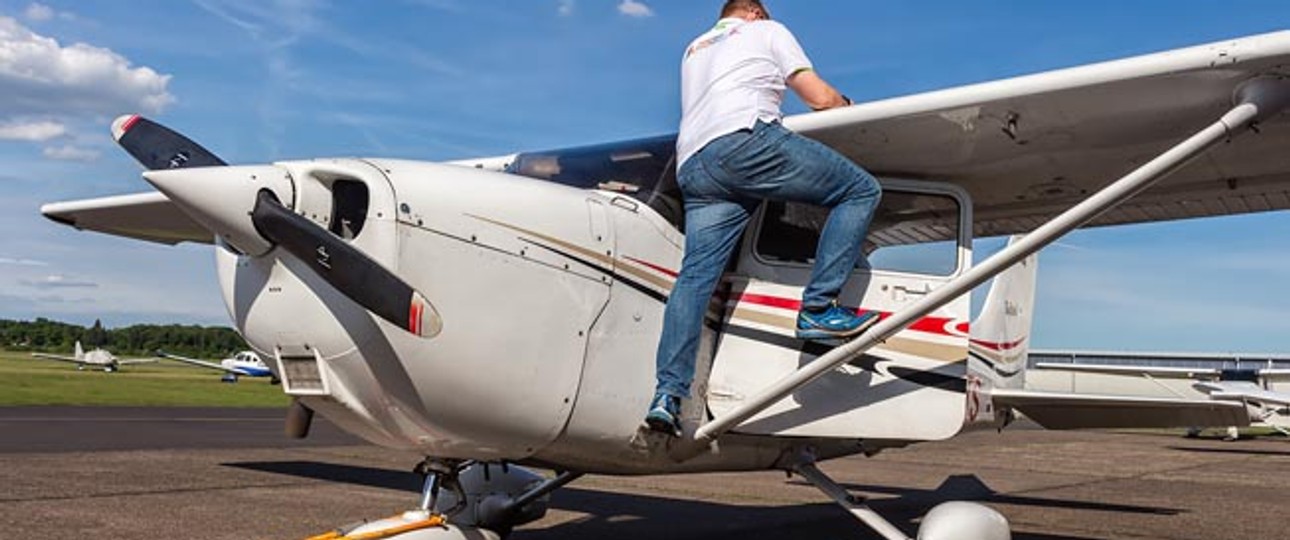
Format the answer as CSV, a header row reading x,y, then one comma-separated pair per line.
x,y
750,10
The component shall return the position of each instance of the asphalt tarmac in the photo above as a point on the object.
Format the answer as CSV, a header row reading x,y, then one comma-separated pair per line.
x,y
212,473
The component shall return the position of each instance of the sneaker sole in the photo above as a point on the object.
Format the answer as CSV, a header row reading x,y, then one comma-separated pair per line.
x,y
822,334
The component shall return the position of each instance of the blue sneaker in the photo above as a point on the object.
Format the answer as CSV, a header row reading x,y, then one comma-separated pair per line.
x,y
833,323
665,415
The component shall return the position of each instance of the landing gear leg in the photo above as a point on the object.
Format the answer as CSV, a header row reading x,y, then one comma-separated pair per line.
x,y
951,520
438,475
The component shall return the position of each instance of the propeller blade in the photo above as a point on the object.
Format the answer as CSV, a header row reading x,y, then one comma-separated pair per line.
x,y
346,268
157,147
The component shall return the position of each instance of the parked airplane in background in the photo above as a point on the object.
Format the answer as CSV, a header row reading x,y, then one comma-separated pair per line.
x,y
507,310
242,364
1000,336
1248,385
98,357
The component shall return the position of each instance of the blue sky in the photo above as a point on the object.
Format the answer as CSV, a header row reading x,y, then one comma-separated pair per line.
x,y
442,79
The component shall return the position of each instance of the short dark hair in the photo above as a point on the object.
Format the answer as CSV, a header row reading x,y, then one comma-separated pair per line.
x,y
735,5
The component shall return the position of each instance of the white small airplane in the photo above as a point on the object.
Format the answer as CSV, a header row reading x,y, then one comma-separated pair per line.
x,y
506,310
97,357
242,364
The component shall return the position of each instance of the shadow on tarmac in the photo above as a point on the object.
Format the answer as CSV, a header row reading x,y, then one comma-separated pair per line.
x,y
968,487
1237,451
605,514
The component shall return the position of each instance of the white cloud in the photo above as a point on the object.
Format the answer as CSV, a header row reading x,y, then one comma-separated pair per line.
x,y
40,76
39,12
22,262
42,130
55,281
632,8
566,8
70,153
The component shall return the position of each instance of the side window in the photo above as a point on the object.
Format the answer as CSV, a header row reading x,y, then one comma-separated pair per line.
x,y
913,233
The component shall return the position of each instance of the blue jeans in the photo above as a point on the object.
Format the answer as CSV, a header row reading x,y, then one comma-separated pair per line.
x,y
723,184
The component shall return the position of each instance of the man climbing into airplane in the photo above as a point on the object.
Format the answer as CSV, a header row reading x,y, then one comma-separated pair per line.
x,y
732,153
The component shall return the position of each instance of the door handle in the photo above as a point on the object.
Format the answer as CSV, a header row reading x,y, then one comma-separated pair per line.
x,y
901,293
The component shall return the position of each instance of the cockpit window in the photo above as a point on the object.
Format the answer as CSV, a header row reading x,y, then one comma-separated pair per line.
x,y
643,169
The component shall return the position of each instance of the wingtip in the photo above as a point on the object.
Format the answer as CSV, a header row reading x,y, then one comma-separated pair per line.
x,y
123,124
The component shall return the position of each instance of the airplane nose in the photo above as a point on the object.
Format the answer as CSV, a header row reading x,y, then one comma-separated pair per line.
x,y
222,199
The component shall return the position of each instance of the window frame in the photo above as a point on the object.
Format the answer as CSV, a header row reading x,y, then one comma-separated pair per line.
x,y
959,195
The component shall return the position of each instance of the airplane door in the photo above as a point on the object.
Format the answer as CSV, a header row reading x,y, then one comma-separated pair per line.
x,y
911,386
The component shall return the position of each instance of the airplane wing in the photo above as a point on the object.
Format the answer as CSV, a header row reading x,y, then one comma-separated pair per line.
x,y
1029,147
144,216
45,356
1025,148
128,361
201,363
1155,371
1056,410
1244,391
1275,374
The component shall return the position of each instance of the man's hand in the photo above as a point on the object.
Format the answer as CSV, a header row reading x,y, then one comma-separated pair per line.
x,y
816,93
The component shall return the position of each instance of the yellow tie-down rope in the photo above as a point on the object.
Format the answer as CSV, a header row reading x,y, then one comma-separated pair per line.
x,y
432,521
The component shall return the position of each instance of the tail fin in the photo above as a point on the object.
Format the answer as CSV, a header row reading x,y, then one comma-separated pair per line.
x,y
1001,333
80,353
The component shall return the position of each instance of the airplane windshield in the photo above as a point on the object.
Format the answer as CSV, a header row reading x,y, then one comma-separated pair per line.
x,y
643,169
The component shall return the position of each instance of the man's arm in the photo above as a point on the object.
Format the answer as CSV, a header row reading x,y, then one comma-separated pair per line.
x,y
815,92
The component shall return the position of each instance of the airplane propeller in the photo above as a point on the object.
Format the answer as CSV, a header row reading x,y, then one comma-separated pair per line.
x,y
202,194
346,268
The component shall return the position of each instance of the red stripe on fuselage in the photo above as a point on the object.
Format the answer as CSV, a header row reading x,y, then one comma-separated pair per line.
x,y
654,267
931,325
997,346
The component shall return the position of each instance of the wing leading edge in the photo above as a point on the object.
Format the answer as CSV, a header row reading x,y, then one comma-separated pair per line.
x,y
202,363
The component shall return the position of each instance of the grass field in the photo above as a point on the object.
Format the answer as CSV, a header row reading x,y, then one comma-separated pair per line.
x,y
30,381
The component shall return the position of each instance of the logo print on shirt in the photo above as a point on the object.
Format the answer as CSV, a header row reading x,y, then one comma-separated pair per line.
x,y
709,42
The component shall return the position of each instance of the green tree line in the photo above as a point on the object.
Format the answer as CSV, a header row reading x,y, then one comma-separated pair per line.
x,y
139,340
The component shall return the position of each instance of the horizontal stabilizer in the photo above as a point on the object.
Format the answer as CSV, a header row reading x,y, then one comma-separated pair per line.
x,y
1055,410
142,216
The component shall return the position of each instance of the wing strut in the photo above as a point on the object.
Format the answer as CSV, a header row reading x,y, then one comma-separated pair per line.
x,y
1257,99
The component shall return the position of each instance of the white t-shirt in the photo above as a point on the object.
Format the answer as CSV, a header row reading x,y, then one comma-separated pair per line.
x,y
732,76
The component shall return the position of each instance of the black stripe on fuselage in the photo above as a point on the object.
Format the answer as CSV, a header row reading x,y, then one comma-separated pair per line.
x,y
640,287
994,366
